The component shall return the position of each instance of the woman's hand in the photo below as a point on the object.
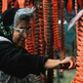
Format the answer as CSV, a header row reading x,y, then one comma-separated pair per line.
x,y
70,60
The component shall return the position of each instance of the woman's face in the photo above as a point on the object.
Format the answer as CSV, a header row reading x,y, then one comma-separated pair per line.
x,y
20,32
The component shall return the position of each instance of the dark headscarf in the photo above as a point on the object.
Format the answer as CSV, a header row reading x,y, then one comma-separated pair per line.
x,y
8,16
7,19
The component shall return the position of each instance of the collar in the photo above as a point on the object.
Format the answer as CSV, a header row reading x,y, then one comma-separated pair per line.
x,y
4,39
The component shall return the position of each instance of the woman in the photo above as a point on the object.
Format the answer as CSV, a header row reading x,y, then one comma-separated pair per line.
x,y
14,59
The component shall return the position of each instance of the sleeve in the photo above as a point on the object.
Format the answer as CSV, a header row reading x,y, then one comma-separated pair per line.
x,y
18,62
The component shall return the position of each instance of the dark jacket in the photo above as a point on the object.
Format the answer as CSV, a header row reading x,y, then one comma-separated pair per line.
x,y
18,62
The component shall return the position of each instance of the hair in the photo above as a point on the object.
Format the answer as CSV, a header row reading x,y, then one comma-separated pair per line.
x,y
13,15
23,14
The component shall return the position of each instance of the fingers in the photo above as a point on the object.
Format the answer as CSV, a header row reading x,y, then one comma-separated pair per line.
x,y
66,61
71,64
